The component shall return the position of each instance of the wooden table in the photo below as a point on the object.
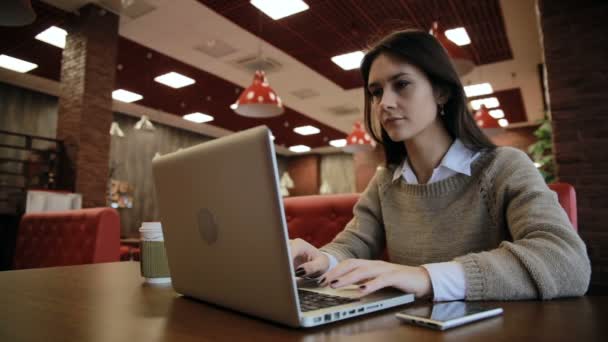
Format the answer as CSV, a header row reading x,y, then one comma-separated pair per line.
x,y
108,302
134,242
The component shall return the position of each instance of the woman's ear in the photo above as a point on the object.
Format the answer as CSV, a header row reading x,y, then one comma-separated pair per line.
x,y
442,94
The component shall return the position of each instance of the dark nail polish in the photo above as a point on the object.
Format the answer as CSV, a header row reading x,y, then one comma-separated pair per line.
x,y
362,287
333,281
300,272
314,275
322,280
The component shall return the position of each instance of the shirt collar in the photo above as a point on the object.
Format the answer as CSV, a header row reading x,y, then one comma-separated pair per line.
x,y
458,159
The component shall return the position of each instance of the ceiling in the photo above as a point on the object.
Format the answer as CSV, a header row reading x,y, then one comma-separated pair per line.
x,y
331,28
165,36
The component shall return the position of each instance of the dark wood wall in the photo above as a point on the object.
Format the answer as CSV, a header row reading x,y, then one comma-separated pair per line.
x,y
30,112
131,161
27,112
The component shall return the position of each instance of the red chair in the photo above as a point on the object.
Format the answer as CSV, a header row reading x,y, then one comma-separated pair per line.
x,y
125,253
318,218
128,253
73,237
566,196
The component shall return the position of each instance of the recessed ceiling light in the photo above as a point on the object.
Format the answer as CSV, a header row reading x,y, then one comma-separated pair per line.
x,y
497,113
478,89
174,80
503,122
307,130
54,36
198,117
126,96
349,61
277,9
338,143
299,148
489,102
458,35
16,64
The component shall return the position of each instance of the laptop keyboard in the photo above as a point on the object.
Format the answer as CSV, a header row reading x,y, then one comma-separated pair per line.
x,y
313,301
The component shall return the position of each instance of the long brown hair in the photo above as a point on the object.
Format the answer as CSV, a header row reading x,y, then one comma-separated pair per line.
x,y
424,51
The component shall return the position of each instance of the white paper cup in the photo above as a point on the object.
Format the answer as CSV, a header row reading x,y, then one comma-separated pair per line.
x,y
153,264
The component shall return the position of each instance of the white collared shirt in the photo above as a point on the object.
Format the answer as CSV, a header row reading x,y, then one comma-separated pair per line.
x,y
448,278
457,160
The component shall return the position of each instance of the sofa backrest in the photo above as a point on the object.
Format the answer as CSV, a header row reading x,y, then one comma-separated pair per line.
x,y
73,237
566,195
318,218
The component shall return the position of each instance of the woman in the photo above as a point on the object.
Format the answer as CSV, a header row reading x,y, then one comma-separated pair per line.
x,y
459,217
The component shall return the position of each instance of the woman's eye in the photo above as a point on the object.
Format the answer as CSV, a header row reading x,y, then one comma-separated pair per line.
x,y
400,85
376,93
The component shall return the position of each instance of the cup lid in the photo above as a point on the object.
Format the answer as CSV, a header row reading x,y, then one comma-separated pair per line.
x,y
146,226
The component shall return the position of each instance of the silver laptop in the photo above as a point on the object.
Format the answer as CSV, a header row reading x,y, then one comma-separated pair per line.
x,y
226,235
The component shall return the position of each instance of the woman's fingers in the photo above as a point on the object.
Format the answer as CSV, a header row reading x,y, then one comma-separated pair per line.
x,y
405,278
358,275
300,252
308,261
339,270
298,260
372,276
375,284
314,268
352,271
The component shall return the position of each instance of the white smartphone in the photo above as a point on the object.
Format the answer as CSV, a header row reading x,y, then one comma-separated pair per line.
x,y
442,316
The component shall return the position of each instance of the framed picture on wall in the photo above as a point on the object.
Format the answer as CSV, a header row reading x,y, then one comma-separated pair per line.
x,y
121,194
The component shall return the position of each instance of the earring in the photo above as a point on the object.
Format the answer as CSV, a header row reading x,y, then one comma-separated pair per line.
x,y
441,111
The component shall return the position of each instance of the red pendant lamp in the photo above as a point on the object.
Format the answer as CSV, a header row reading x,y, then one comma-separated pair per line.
x,y
462,60
486,122
258,100
358,140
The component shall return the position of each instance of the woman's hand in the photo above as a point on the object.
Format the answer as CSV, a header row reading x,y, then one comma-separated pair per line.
x,y
373,275
308,261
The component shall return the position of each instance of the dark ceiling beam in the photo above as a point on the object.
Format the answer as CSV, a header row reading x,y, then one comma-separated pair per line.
x,y
411,14
364,14
472,46
335,30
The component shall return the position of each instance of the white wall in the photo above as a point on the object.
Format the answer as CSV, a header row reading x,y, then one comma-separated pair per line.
x,y
520,72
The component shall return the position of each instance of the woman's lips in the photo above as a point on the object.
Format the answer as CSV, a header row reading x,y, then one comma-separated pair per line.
x,y
392,121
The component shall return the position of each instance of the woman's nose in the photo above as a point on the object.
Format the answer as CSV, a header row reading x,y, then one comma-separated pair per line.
x,y
388,100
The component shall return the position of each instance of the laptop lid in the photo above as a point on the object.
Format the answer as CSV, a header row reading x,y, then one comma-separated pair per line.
x,y
224,225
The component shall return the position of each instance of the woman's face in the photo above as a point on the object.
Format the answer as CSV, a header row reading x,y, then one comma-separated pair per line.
x,y
402,98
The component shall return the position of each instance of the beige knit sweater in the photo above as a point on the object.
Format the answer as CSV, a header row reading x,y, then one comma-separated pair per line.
x,y
503,224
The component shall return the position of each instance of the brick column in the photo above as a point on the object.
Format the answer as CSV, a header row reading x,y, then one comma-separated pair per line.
x,y
85,103
575,40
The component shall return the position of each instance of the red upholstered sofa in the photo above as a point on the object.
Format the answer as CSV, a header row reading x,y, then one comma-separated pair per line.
x,y
318,218
129,252
73,237
567,198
